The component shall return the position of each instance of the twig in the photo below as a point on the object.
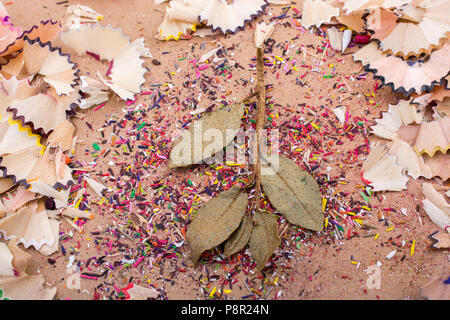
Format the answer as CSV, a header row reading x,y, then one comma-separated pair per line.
x,y
261,89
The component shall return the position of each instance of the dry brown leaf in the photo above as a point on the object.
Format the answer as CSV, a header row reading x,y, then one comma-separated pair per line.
x,y
194,145
294,193
216,221
264,238
238,240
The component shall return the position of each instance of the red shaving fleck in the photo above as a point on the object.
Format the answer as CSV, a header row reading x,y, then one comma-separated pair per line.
x,y
364,180
94,55
110,68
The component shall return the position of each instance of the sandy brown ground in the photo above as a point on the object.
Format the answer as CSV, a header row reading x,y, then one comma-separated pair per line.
x,y
317,270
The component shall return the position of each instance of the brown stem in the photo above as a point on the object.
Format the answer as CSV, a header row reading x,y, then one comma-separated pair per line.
x,y
261,98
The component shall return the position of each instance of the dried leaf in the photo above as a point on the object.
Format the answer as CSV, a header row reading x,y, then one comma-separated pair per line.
x,y
220,126
294,193
216,221
237,241
264,239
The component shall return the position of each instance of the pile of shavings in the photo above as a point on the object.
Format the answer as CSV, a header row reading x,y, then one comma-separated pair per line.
x,y
406,46
186,18
40,92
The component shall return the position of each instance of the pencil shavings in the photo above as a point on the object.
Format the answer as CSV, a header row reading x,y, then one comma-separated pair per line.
x,y
8,33
339,41
21,259
29,168
380,23
355,5
137,292
381,171
174,29
47,249
51,171
28,227
97,187
186,11
442,109
436,206
263,31
229,18
433,136
18,165
406,76
421,36
439,165
439,94
126,71
317,12
55,67
5,184
19,198
403,113
46,31
409,160
440,240
13,138
26,287
81,14
6,257
50,63
43,112
3,12
354,21
93,92
76,213
62,136
11,89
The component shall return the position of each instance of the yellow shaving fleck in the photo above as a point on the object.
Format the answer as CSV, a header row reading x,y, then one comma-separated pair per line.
x,y
29,132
